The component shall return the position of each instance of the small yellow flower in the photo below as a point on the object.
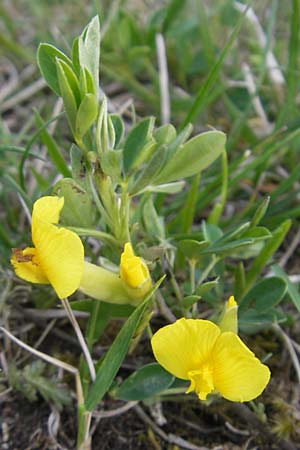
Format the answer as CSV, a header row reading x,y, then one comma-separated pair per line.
x,y
57,256
212,360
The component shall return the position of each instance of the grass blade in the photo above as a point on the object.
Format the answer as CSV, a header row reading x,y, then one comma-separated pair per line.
x,y
115,355
266,253
53,150
199,103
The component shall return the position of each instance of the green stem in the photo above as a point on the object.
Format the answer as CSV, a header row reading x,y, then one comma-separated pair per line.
x,y
215,215
188,212
99,204
82,147
205,273
94,233
84,373
175,285
83,432
124,234
192,263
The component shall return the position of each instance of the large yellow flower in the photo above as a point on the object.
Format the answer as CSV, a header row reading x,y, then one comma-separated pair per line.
x,y
198,351
57,256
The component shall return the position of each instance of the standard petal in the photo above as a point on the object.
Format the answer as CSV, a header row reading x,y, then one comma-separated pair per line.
x,y
27,267
184,345
47,209
238,375
61,257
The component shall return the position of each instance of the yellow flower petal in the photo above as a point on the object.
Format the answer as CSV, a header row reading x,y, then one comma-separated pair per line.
x,y
133,270
238,375
202,381
185,345
27,266
61,256
47,209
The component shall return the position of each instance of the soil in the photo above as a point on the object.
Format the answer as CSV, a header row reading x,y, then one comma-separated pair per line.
x,y
225,426
222,425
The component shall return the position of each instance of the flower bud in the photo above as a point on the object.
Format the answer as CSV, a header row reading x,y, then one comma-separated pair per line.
x,y
134,273
229,320
130,287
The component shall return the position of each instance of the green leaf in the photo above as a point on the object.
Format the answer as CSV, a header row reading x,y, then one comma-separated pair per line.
x,y
75,56
67,94
77,210
114,310
252,321
167,188
172,147
192,249
232,234
266,253
78,166
173,9
52,148
119,128
149,173
72,80
211,232
206,287
190,300
239,280
86,115
199,102
153,223
187,214
136,142
46,59
86,82
111,133
146,382
165,134
89,50
193,157
260,212
257,234
28,147
265,294
83,82
115,355
111,163
291,288
228,247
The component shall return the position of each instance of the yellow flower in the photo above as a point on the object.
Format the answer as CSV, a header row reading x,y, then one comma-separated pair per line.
x,y
57,256
130,286
198,351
